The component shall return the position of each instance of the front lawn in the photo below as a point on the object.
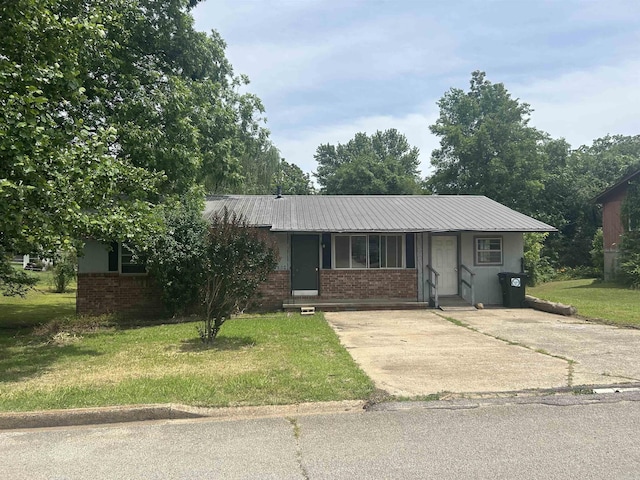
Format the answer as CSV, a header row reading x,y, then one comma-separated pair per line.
x,y
39,305
594,299
257,360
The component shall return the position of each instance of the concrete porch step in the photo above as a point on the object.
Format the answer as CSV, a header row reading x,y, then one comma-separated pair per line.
x,y
454,303
333,305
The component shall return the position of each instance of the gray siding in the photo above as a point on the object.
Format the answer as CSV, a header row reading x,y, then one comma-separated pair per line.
x,y
487,286
95,258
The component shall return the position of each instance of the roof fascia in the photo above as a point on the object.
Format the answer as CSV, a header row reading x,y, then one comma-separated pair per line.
x,y
611,190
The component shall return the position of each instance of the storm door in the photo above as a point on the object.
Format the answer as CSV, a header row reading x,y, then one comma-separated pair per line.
x,y
305,263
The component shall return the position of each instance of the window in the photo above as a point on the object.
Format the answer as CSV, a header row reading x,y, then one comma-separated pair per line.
x,y
488,251
368,251
121,260
127,262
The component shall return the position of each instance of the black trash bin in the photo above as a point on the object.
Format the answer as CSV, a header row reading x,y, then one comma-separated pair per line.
x,y
513,289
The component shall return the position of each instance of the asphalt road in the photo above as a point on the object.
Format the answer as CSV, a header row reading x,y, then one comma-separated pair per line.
x,y
548,438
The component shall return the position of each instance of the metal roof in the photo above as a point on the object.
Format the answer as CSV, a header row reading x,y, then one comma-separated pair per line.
x,y
375,213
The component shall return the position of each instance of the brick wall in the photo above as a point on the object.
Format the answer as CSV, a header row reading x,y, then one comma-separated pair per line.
x,y
276,289
100,293
372,283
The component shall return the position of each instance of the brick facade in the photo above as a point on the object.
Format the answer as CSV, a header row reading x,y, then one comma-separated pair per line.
x,y
100,293
276,289
368,284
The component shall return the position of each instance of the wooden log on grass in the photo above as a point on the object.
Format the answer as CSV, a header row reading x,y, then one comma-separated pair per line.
x,y
551,307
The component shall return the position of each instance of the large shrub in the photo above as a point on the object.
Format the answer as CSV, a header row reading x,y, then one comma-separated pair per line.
x,y
237,259
174,258
64,270
538,267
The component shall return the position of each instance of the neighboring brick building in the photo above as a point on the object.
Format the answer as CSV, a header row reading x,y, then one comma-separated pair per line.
x,y
412,248
612,228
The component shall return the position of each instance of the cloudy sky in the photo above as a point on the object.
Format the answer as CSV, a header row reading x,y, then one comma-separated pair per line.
x,y
327,69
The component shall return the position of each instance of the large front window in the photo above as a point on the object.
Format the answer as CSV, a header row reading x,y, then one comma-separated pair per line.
x,y
368,251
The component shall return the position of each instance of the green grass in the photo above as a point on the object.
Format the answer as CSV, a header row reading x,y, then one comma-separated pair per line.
x,y
594,299
260,360
39,305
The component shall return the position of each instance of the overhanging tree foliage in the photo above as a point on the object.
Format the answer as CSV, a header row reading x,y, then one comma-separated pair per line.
x,y
381,164
59,180
107,108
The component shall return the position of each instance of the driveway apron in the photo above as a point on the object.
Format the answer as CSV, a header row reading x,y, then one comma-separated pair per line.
x,y
412,353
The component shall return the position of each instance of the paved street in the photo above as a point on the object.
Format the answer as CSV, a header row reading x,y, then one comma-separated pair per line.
x,y
551,438
411,353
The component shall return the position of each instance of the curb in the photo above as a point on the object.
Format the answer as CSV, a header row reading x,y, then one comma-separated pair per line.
x,y
142,413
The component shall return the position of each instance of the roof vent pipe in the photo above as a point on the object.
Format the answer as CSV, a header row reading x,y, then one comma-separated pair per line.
x,y
279,191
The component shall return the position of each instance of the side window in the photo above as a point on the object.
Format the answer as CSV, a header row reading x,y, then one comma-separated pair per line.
x,y
127,262
121,260
488,251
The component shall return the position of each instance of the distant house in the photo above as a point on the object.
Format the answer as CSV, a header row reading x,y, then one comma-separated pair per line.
x,y
351,251
612,228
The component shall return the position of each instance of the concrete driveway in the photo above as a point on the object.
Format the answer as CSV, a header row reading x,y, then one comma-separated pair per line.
x,y
409,353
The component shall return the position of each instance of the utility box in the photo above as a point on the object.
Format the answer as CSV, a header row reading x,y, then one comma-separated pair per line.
x,y
513,289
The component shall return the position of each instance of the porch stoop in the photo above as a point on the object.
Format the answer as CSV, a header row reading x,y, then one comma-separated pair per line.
x,y
334,305
454,303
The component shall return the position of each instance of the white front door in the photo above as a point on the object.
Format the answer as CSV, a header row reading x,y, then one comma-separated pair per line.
x,y
444,256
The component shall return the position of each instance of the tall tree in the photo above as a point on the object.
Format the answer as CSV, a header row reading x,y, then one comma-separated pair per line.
x,y
59,180
589,171
258,165
106,107
263,171
169,91
487,146
291,179
381,164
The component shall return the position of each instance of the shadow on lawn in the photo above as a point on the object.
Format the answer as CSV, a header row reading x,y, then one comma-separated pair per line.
x,y
221,343
23,356
28,315
599,284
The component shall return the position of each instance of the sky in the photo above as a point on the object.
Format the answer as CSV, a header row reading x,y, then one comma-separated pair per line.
x,y
327,69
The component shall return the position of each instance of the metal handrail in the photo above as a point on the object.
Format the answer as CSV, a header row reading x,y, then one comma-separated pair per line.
x,y
434,284
469,283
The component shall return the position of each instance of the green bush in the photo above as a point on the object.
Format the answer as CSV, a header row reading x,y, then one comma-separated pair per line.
x,y
174,257
538,267
576,273
64,271
597,254
629,272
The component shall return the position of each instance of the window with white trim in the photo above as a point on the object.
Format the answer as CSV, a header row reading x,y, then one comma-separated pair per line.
x,y
369,251
488,251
